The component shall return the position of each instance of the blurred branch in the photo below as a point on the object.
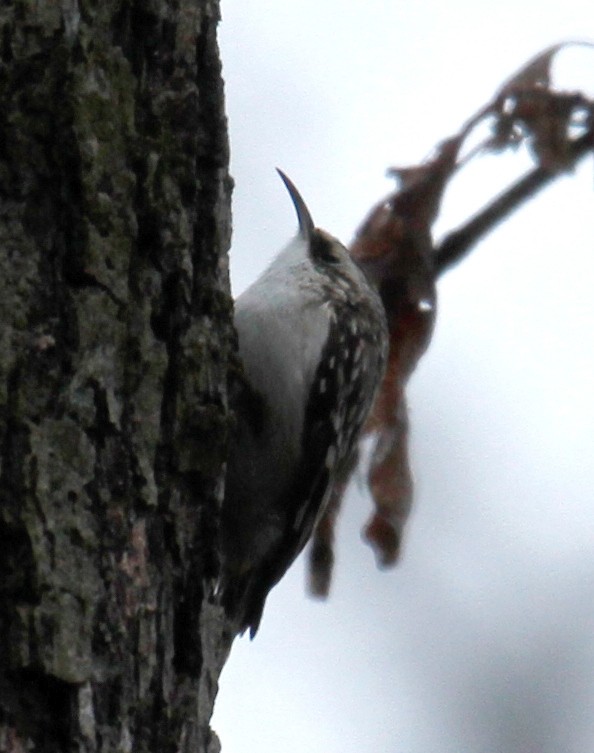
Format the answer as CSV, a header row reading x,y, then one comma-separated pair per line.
x,y
458,244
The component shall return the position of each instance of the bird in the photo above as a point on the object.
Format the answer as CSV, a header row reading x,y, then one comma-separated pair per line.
x,y
313,344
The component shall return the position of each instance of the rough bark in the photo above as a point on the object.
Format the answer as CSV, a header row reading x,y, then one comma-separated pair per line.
x,y
114,339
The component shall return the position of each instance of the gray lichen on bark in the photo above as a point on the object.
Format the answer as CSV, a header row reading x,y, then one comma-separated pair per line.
x,y
114,340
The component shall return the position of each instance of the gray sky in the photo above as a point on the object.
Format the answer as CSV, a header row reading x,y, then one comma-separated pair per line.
x,y
480,641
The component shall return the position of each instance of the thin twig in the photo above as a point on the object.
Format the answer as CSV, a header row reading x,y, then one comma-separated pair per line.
x,y
457,244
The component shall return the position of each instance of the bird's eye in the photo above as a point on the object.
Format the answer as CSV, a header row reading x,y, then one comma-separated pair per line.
x,y
325,248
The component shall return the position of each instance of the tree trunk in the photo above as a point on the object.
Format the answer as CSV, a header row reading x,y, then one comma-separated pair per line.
x,y
114,340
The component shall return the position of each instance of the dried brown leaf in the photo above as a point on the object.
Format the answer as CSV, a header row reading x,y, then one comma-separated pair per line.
x,y
536,73
527,108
